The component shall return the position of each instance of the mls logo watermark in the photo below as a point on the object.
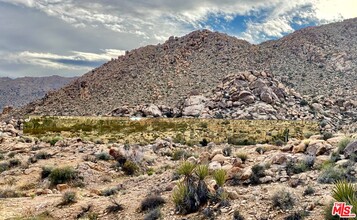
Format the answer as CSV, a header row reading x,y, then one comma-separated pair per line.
x,y
342,210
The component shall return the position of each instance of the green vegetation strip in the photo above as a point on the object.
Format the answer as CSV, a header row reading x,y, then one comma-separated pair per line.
x,y
182,130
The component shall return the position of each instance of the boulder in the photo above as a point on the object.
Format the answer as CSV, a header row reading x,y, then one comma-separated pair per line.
x,y
220,158
279,159
62,187
350,149
194,105
214,165
300,148
246,174
152,110
317,148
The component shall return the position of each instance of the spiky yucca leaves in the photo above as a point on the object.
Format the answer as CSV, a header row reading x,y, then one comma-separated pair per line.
x,y
186,169
179,194
344,191
220,176
201,172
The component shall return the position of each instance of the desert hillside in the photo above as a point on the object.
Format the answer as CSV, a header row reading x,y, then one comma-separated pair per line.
x,y
315,61
21,91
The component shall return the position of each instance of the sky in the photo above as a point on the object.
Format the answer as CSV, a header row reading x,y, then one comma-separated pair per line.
x,y
71,37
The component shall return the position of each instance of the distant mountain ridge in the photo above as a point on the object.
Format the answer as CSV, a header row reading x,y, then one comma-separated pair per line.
x,y
21,91
319,62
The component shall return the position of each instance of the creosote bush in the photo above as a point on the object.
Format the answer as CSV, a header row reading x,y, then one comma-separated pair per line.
x,y
257,173
237,215
309,191
130,167
331,174
8,193
69,197
42,155
327,135
151,202
283,200
62,175
153,215
343,144
103,156
109,191
46,171
179,154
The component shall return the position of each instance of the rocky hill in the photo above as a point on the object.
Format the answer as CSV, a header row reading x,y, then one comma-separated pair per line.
x,y
21,91
315,61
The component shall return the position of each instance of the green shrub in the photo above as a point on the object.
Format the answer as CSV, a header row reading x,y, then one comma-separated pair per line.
x,y
283,200
279,143
153,215
296,168
11,154
42,155
204,142
8,193
309,191
237,215
109,191
296,215
62,175
303,102
227,151
151,202
332,174
114,207
220,177
308,135
103,156
242,156
130,167
46,171
150,171
343,144
260,150
4,166
257,173
54,140
239,141
179,154
69,197
327,135
14,163
2,156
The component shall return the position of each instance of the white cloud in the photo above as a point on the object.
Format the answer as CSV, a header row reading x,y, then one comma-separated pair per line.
x,y
55,61
132,23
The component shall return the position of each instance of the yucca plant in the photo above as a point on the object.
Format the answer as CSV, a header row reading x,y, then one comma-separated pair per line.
x,y
201,172
242,156
202,189
220,177
186,169
344,191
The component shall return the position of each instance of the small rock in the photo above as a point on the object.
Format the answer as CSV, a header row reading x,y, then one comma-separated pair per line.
x,y
62,187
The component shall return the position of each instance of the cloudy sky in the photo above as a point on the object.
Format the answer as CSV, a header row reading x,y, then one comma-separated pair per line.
x,y
70,37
